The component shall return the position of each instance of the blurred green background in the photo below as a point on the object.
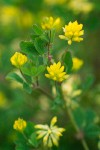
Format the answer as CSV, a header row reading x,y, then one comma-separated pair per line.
x,y
16,20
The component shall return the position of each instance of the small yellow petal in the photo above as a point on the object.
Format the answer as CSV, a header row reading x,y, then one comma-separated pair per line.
x,y
53,121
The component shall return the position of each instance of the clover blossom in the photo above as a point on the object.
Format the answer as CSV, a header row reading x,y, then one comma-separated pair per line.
x,y
18,59
50,134
77,63
19,125
72,32
56,72
49,23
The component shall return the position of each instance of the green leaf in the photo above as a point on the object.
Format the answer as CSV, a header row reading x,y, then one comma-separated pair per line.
x,y
68,61
14,76
40,69
28,48
21,142
88,82
22,147
27,87
91,116
44,37
40,45
29,129
79,116
37,30
33,71
33,36
33,140
92,131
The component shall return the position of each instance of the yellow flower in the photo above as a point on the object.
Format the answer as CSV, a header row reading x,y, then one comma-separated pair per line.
x,y
56,72
19,125
72,31
22,21
49,23
50,134
77,63
8,14
18,59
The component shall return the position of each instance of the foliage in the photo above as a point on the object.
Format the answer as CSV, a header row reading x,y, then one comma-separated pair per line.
x,y
26,93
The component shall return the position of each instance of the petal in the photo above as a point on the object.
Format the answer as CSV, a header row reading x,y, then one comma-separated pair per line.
x,y
50,144
48,69
45,139
40,126
53,121
58,64
61,69
41,134
69,42
54,139
62,37
47,75
57,21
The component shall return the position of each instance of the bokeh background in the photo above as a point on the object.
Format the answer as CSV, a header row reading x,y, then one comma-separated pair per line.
x,y
16,20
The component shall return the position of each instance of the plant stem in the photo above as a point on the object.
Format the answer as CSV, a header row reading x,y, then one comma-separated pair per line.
x,y
23,76
76,128
37,81
84,144
45,92
48,46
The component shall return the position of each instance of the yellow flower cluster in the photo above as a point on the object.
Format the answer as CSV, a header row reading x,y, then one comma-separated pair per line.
x,y
77,63
12,14
80,6
50,134
18,59
49,23
56,72
72,31
19,125
7,14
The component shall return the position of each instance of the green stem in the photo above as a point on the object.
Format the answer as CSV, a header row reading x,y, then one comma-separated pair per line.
x,y
72,119
37,81
25,136
45,92
24,76
48,46
84,144
77,128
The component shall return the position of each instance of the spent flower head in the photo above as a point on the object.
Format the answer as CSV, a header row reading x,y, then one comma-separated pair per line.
x,y
50,134
77,63
18,59
49,23
56,72
72,32
19,125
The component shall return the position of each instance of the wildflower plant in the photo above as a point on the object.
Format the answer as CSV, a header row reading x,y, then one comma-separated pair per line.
x,y
36,60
